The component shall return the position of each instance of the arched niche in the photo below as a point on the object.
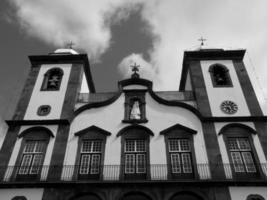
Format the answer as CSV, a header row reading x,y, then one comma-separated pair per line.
x,y
135,196
90,196
186,196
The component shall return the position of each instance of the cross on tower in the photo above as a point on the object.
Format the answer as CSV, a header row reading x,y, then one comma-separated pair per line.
x,y
70,44
135,70
202,40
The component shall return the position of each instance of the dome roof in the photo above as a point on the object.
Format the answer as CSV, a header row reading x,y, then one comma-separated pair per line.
x,y
65,51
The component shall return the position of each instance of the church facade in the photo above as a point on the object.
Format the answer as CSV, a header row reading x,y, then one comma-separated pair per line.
x,y
205,141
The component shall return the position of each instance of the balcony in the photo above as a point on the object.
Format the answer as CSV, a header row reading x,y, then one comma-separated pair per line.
x,y
153,173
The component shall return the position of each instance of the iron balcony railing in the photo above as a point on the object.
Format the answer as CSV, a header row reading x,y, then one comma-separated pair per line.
x,y
155,172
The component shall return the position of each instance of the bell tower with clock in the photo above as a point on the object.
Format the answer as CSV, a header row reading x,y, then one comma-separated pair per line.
x,y
220,82
224,96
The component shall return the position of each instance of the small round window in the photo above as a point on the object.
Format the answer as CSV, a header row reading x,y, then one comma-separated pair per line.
x,y
44,110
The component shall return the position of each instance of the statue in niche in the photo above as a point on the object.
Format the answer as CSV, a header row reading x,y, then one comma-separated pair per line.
x,y
135,111
53,81
220,78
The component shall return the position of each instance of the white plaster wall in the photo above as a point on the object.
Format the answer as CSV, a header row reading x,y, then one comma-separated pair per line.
x,y
132,87
159,118
241,193
217,95
53,98
223,150
188,85
48,155
3,131
30,194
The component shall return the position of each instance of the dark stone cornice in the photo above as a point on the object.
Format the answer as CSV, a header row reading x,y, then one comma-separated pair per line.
x,y
97,104
35,129
134,81
235,119
12,123
37,60
138,81
92,128
178,126
135,126
233,125
148,84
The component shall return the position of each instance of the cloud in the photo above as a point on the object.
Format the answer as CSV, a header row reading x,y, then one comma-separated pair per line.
x,y
174,26
85,23
147,70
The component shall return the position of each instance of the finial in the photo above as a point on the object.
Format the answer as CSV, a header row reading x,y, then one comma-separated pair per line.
x,y
135,69
202,41
69,45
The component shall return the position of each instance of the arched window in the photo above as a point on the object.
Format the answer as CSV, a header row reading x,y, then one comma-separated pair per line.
x,y
241,151
135,152
90,154
52,79
220,76
32,153
186,196
180,151
254,197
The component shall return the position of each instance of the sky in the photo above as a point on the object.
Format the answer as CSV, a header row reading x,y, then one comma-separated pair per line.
x,y
117,33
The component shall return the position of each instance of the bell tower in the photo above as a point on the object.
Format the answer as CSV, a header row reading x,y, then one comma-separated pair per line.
x,y
48,102
220,82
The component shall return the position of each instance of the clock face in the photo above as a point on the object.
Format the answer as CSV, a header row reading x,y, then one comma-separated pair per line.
x,y
229,107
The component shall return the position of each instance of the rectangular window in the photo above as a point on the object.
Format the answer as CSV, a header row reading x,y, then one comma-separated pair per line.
x,y
135,156
180,156
32,157
90,160
241,155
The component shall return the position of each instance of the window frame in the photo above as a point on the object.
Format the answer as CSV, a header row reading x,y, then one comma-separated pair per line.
x,y
46,76
92,133
33,154
241,132
32,134
179,133
135,133
227,75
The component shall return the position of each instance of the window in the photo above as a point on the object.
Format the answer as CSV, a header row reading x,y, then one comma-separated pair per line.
x,y
241,152
52,79
32,153
180,151
135,107
135,156
90,157
32,157
90,154
135,152
241,155
220,76
44,110
180,155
